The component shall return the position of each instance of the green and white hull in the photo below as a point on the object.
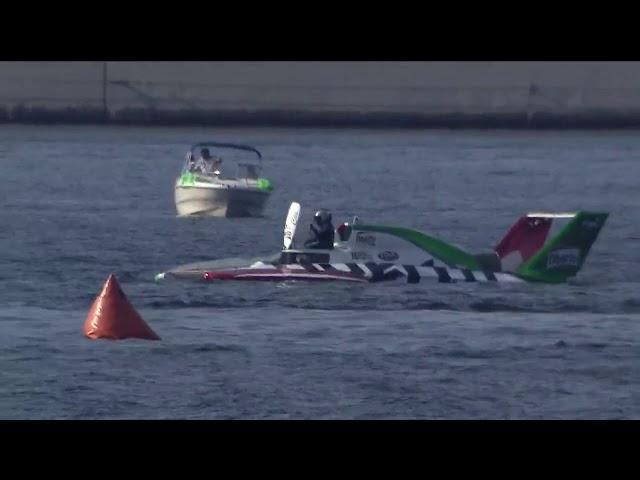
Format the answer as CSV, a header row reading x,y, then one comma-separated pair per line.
x,y
221,198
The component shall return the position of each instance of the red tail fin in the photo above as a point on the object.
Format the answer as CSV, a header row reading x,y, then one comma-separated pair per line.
x,y
522,240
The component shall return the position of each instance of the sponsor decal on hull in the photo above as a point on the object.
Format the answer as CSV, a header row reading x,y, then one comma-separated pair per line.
x,y
564,258
388,256
366,238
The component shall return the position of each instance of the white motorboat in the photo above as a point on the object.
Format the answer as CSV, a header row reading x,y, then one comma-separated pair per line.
x,y
204,189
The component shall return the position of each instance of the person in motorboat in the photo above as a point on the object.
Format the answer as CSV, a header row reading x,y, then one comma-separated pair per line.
x,y
191,162
215,166
200,166
322,231
211,164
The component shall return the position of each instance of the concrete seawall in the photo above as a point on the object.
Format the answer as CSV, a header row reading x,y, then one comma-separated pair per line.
x,y
385,94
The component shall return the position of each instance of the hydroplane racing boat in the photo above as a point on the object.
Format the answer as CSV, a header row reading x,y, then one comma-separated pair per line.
x,y
539,247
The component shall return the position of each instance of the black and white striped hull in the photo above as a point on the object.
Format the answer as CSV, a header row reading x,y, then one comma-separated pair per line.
x,y
375,272
358,272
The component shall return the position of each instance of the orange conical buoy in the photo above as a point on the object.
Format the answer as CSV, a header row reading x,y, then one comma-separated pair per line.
x,y
112,316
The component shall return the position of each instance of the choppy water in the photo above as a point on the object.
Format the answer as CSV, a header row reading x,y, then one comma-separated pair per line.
x,y
81,202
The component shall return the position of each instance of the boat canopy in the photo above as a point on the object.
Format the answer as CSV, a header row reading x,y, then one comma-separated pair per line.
x,y
234,146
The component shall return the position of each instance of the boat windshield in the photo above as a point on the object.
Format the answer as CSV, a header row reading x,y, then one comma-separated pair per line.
x,y
224,161
249,170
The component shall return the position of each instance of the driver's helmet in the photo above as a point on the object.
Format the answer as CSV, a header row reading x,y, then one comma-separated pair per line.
x,y
322,217
205,153
344,231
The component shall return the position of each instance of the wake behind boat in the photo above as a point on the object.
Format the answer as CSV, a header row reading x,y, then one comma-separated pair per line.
x,y
539,247
205,188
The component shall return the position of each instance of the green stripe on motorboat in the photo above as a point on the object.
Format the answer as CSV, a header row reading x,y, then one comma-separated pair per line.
x,y
187,178
264,184
437,248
